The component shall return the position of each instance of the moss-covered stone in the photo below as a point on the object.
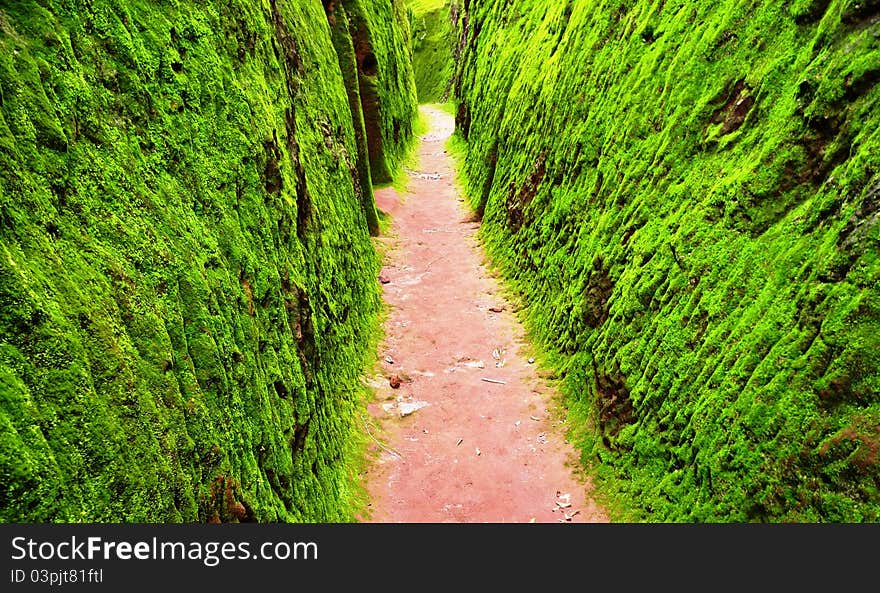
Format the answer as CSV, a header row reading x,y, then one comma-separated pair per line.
x,y
686,194
435,47
371,41
187,285
381,41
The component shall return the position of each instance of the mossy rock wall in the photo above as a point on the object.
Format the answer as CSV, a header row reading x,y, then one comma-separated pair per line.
x,y
383,57
187,285
433,24
687,195
392,42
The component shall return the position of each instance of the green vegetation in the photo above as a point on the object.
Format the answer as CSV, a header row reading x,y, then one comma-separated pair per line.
x,y
371,41
187,285
686,195
388,94
433,24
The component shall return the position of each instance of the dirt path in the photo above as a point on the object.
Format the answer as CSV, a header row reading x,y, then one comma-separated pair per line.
x,y
477,451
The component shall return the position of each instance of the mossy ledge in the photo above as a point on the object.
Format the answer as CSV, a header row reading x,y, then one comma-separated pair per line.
x,y
187,284
686,195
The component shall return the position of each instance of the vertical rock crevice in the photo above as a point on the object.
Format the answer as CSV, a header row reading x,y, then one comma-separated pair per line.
x,y
367,66
340,31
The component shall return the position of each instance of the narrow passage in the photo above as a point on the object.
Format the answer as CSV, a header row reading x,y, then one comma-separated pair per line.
x,y
469,430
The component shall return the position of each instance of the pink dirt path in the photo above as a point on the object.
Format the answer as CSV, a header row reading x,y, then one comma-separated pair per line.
x,y
478,451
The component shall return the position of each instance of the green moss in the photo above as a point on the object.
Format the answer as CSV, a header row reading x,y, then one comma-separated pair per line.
x,y
433,24
685,195
381,38
187,284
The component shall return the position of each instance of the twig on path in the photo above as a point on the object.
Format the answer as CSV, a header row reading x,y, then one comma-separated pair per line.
x,y
494,381
434,261
388,449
